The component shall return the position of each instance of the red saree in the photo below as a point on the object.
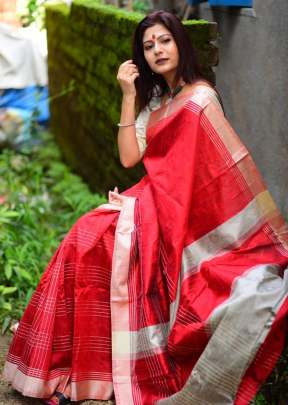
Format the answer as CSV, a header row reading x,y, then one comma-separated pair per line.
x,y
174,292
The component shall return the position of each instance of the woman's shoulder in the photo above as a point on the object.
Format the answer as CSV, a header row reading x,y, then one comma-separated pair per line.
x,y
201,86
203,93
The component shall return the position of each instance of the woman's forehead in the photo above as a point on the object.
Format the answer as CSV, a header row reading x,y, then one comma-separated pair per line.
x,y
154,32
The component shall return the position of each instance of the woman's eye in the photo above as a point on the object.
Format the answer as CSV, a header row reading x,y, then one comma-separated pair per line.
x,y
166,40
147,47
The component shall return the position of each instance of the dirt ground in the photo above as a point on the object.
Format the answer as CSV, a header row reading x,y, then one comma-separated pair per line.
x,y
10,397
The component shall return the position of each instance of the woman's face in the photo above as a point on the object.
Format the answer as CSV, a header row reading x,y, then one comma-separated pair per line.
x,y
160,51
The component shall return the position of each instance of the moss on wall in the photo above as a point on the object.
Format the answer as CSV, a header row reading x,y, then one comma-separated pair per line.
x,y
86,44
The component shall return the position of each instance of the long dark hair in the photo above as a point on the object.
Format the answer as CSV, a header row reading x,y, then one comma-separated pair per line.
x,y
148,82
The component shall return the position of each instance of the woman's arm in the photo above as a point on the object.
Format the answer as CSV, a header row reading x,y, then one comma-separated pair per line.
x,y
127,142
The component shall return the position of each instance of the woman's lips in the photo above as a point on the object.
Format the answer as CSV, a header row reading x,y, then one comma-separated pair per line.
x,y
161,61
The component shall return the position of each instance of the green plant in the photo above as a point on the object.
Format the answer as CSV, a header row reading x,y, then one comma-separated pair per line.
x,y
275,390
41,199
142,6
35,10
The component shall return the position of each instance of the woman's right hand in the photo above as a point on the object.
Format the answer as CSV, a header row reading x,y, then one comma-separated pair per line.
x,y
126,76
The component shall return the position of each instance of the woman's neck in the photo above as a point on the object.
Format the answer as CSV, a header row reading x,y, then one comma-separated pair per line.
x,y
172,90
173,84
187,88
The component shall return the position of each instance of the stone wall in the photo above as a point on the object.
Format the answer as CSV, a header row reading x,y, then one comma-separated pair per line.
x,y
252,79
86,44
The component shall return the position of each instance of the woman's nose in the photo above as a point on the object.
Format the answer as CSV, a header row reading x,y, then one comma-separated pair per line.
x,y
157,48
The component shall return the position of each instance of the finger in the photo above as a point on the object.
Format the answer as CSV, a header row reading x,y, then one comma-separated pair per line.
x,y
111,195
129,74
125,65
115,198
126,77
132,67
130,71
134,76
128,62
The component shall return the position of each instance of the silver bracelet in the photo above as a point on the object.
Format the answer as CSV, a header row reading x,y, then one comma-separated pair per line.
x,y
125,125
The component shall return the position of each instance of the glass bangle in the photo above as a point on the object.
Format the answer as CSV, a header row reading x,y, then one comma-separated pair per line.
x,y
125,125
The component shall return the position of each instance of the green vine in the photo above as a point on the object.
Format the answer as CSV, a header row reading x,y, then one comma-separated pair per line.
x,y
35,12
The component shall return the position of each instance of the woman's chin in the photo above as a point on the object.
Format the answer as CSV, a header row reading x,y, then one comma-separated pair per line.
x,y
163,70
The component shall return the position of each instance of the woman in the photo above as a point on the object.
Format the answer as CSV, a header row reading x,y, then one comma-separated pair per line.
x,y
174,292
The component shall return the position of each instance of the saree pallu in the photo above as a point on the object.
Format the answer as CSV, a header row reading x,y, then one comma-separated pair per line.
x,y
175,291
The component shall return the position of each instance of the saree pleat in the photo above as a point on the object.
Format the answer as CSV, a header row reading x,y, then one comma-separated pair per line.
x,y
65,333
174,294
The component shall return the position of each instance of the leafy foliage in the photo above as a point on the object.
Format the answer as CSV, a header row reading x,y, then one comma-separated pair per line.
x,y
275,390
34,12
142,6
41,199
